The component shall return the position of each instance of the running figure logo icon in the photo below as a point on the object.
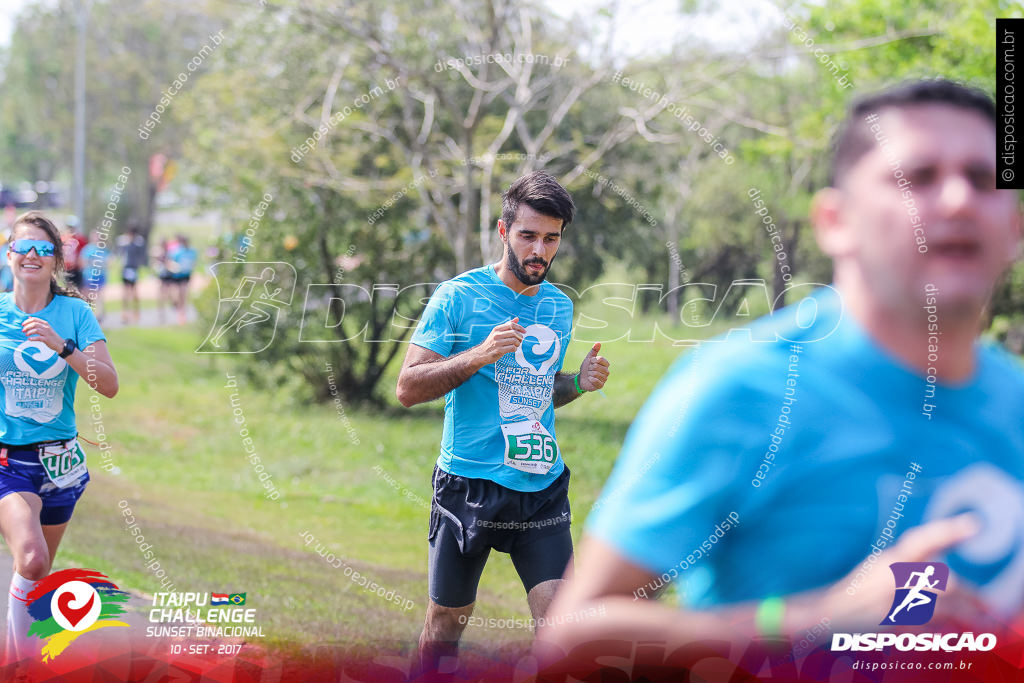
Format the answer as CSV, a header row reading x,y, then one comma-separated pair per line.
x,y
254,306
916,586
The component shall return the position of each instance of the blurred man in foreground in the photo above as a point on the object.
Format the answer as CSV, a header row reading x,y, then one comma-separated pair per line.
x,y
775,480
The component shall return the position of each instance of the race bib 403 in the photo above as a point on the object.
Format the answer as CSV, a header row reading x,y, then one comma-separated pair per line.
x,y
64,463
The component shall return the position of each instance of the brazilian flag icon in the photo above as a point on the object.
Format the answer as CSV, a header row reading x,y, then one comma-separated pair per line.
x,y
237,598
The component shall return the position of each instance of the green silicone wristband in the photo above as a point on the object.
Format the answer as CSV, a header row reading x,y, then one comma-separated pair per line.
x,y
576,381
768,619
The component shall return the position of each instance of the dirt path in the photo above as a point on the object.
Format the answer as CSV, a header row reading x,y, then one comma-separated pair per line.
x,y
150,315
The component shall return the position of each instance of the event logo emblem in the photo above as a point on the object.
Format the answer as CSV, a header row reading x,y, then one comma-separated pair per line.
x,y
539,350
916,586
38,360
71,602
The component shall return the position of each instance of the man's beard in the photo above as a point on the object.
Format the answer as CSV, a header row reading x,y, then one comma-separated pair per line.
x,y
519,269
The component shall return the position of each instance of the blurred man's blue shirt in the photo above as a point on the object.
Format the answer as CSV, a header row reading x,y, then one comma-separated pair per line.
x,y
813,445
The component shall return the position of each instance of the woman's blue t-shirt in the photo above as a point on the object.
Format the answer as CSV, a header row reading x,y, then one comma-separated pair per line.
x,y
37,386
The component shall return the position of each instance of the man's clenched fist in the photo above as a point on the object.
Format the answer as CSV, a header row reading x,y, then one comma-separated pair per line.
x,y
504,338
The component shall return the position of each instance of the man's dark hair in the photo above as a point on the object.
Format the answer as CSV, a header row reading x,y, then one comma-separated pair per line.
x,y
542,193
854,139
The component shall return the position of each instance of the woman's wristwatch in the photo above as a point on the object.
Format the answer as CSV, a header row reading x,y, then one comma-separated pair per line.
x,y
69,348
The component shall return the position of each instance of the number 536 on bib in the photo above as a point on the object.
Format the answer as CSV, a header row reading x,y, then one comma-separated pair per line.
x,y
529,447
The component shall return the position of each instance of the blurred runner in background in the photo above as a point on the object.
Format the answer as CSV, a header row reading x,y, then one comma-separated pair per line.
x,y
6,276
181,259
131,247
73,242
162,261
94,273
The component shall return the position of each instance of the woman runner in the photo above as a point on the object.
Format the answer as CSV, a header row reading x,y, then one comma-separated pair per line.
x,y
49,338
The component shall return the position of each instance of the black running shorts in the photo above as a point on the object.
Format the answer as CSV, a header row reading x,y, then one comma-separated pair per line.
x,y
470,516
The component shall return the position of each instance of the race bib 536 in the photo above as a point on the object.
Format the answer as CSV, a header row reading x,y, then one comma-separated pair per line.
x,y
529,447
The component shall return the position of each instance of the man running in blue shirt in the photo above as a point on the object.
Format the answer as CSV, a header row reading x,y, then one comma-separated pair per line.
x,y
775,479
492,342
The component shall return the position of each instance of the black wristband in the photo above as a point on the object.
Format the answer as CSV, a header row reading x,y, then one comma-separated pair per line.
x,y
69,348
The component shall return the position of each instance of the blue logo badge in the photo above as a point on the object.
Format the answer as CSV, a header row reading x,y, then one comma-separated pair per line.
x,y
916,586
539,350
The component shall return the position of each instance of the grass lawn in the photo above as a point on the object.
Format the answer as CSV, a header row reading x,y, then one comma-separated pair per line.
x,y
197,499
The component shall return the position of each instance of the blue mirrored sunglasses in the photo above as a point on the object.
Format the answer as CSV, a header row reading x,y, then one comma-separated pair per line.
x,y
42,247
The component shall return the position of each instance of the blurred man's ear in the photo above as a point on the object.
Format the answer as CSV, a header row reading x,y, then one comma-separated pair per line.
x,y
1017,241
501,229
833,235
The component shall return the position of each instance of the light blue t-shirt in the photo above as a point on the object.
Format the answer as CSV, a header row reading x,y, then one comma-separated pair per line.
x,y
37,385
762,469
506,405
184,260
